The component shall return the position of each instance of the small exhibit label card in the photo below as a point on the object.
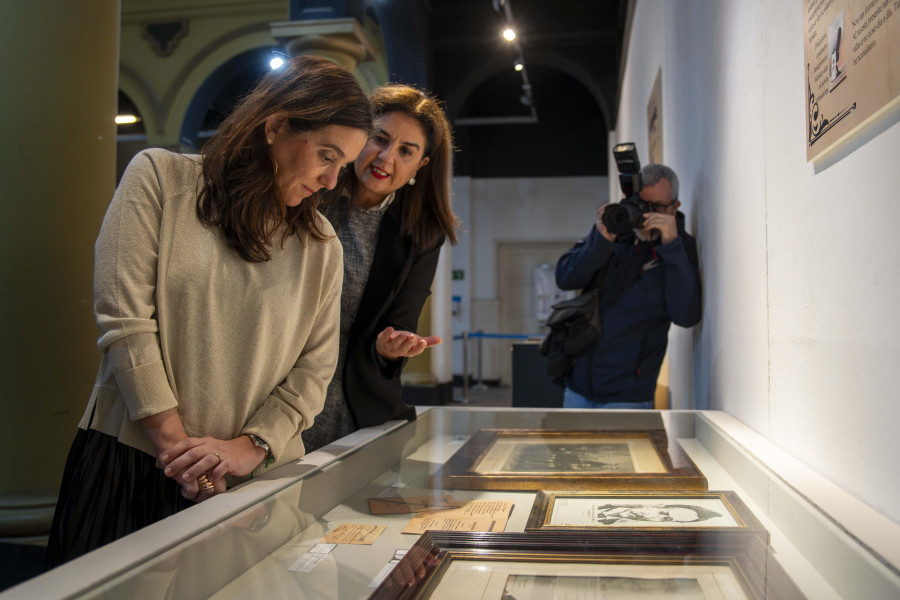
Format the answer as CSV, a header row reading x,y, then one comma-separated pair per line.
x,y
350,533
308,561
387,569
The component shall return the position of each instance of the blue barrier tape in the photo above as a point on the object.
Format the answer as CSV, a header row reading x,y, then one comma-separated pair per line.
x,y
515,336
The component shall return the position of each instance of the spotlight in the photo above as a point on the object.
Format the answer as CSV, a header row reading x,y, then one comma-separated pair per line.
x,y
519,65
126,119
509,34
276,62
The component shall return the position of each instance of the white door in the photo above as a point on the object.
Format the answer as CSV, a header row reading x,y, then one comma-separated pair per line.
x,y
516,292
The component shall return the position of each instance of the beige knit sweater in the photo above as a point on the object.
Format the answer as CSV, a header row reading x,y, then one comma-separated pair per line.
x,y
185,322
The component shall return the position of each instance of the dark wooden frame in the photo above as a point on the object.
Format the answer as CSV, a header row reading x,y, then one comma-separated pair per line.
x,y
419,573
458,472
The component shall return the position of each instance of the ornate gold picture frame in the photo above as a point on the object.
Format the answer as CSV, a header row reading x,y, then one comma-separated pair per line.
x,y
540,459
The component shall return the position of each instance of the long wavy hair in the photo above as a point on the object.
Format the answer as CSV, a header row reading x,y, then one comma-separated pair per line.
x,y
426,215
238,191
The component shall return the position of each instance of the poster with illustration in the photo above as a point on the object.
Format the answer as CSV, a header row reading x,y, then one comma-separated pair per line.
x,y
852,55
837,50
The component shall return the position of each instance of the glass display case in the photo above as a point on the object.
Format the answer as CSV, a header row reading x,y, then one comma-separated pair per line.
x,y
758,525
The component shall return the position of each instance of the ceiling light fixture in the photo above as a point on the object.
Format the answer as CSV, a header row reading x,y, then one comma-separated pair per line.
x,y
276,62
527,99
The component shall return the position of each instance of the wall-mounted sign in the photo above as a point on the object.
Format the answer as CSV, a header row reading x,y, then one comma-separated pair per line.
x,y
852,52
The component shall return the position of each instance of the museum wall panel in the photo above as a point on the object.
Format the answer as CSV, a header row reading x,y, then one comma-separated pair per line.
x,y
798,334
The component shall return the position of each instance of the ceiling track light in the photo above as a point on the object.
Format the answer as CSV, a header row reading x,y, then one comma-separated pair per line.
x,y
527,99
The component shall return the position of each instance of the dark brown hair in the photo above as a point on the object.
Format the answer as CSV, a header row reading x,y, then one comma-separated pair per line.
x,y
239,192
426,215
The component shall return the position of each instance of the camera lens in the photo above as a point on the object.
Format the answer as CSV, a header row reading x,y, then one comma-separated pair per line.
x,y
622,217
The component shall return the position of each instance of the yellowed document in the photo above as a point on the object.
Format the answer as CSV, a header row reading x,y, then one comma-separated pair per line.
x,y
479,515
349,533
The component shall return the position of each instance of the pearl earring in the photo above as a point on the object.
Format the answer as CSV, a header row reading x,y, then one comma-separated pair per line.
x,y
412,181
270,140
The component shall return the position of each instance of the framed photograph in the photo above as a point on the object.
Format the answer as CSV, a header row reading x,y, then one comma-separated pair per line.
x,y
503,566
541,459
674,513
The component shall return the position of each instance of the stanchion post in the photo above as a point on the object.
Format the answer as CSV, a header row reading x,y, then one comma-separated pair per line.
x,y
480,385
465,348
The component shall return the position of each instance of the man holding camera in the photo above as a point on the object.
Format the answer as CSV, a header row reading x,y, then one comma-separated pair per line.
x,y
645,267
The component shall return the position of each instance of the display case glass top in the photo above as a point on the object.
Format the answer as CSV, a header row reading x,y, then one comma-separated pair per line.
x,y
347,521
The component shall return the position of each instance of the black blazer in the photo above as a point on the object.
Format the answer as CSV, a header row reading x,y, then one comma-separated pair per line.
x,y
398,285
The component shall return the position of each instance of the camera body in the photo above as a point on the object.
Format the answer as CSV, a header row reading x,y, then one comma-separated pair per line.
x,y
628,214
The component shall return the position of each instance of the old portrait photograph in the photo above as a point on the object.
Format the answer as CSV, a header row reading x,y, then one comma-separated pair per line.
x,y
575,455
637,512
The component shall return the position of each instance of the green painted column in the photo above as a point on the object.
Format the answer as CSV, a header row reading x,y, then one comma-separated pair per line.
x,y
57,174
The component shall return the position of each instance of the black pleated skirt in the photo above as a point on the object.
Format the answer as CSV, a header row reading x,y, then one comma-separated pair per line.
x,y
108,491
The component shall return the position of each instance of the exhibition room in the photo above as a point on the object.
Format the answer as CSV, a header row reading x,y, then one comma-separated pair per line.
x,y
339,299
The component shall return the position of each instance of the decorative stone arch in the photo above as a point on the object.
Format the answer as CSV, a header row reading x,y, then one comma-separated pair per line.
x,y
198,71
251,60
141,94
544,59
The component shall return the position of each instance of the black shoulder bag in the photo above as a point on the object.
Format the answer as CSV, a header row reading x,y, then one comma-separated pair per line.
x,y
574,325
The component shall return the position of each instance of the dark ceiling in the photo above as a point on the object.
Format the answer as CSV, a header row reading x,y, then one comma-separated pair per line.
x,y
571,50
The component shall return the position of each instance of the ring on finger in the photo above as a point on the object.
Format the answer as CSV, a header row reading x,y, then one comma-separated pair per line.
x,y
204,482
217,456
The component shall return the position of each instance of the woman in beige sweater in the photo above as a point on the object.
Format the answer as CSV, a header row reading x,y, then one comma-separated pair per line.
x,y
217,294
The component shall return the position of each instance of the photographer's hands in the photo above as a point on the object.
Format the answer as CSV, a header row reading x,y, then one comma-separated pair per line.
x,y
664,223
601,228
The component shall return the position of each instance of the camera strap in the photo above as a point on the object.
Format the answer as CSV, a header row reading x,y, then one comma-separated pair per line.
x,y
628,277
598,277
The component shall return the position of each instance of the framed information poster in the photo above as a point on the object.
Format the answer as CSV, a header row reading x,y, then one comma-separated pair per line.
x,y
852,56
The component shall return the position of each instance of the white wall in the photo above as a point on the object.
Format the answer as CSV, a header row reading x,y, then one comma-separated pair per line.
x,y
799,338
506,210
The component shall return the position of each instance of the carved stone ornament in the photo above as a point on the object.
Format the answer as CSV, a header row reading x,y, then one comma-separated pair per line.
x,y
164,37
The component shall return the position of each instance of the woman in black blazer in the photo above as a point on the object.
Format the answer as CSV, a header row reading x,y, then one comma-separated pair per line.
x,y
392,214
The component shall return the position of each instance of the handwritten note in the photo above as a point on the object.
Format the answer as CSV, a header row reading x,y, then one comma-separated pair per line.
x,y
349,533
479,515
